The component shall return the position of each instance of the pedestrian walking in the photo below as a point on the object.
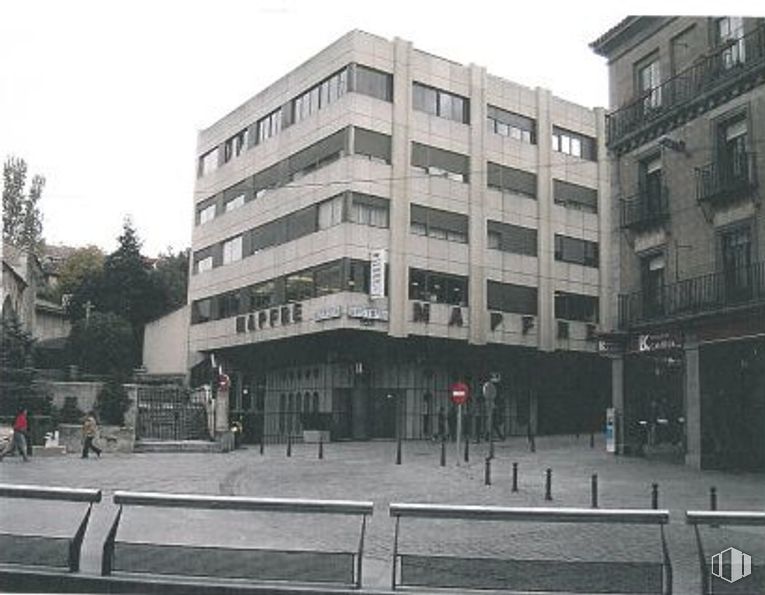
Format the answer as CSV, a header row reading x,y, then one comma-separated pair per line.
x,y
19,438
89,432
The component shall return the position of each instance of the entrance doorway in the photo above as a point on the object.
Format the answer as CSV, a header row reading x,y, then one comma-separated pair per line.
x,y
342,414
381,414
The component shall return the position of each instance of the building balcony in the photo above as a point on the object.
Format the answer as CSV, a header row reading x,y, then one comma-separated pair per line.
x,y
696,88
645,210
724,181
707,294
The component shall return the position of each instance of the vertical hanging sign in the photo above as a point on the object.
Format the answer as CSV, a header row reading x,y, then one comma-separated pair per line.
x,y
377,273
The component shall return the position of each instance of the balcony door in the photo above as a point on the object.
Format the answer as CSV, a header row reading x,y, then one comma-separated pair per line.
x,y
734,170
729,32
736,253
651,185
652,280
648,81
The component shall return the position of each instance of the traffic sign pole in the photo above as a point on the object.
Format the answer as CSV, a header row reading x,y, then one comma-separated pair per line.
x,y
459,431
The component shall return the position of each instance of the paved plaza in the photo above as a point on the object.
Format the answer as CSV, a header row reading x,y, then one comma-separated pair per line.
x,y
366,471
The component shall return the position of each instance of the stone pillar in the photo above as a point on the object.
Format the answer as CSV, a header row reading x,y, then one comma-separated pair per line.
x,y
692,401
221,412
617,400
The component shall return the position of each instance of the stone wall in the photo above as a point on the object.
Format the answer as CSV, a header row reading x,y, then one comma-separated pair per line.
x,y
112,439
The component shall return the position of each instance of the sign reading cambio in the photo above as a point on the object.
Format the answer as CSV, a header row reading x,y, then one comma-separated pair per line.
x,y
660,342
460,393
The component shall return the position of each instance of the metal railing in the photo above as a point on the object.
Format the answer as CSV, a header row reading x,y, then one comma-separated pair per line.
x,y
308,566
645,209
725,180
47,550
697,295
531,570
715,519
726,63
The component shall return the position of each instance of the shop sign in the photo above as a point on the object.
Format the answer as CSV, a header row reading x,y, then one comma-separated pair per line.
x,y
329,313
270,318
659,342
377,273
367,313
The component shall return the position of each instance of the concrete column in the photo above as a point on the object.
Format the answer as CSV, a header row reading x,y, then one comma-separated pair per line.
x,y
692,400
617,399
399,191
607,309
221,412
533,412
477,235
545,245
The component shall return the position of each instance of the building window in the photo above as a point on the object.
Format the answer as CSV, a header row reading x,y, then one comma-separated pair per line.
x,y
232,250
729,33
511,238
234,146
328,279
648,74
207,214
440,162
320,96
510,179
440,103
331,212
508,297
574,306
375,145
439,288
205,264
234,203
201,311
576,251
438,224
374,83
368,210
573,143
574,196
208,163
269,126
512,125
299,286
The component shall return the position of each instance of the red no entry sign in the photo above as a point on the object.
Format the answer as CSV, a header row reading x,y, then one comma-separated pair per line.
x,y
460,393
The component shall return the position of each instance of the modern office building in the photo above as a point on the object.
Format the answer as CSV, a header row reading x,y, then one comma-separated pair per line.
x,y
380,223
686,138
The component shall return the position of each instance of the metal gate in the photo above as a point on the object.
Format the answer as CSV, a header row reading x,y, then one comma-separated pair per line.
x,y
170,413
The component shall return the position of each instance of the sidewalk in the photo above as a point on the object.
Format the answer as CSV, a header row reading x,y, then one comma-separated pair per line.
x,y
366,471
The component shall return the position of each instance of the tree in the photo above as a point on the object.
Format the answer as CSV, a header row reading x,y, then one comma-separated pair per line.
x,y
112,403
22,220
104,343
170,278
82,263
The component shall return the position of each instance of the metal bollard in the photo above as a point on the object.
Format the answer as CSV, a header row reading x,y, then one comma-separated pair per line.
x,y
262,440
655,496
467,450
289,445
594,489
487,472
515,477
532,444
443,452
713,498
398,451
548,484
592,440
321,448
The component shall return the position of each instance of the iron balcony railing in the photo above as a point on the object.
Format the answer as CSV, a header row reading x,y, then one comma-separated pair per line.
x,y
698,295
727,62
647,208
726,179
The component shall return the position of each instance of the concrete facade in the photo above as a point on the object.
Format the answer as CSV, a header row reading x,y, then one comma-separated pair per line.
x,y
688,235
462,171
165,343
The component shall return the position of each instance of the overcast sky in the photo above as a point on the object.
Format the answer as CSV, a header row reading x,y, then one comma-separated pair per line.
x,y
105,98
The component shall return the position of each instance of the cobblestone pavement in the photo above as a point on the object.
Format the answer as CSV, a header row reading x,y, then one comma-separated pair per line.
x,y
366,471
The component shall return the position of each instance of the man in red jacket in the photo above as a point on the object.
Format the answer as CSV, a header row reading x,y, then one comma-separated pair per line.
x,y
20,427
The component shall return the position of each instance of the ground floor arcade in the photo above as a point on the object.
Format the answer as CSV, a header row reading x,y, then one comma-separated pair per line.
x,y
363,385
